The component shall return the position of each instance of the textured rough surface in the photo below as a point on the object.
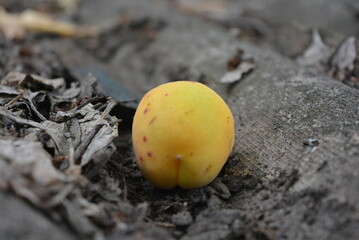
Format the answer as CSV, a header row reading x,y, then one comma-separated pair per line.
x,y
20,221
294,170
280,182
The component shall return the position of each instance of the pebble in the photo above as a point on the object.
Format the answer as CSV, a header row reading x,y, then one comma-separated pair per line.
x,y
182,219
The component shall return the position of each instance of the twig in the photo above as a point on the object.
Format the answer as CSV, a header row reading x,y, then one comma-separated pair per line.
x,y
112,103
15,99
161,224
125,189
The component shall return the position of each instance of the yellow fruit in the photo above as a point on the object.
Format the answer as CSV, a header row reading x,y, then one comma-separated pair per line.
x,y
183,133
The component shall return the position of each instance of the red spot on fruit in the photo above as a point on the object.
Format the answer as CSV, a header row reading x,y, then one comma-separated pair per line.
x,y
207,169
149,154
145,111
166,94
144,138
141,159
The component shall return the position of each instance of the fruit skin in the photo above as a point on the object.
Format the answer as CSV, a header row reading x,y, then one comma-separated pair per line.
x,y
183,133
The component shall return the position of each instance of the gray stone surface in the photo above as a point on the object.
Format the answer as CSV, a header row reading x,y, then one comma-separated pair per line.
x,y
182,219
277,108
21,221
283,187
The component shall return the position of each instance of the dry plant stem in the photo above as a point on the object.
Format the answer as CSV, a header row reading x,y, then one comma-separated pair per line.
x,y
15,99
112,103
163,224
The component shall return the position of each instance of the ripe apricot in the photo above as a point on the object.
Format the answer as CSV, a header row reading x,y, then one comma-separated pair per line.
x,y
182,135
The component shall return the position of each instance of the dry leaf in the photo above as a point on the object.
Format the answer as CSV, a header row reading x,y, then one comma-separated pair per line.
x,y
316,53
14,26
236,75
46,151
236,67
21,79
343,60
